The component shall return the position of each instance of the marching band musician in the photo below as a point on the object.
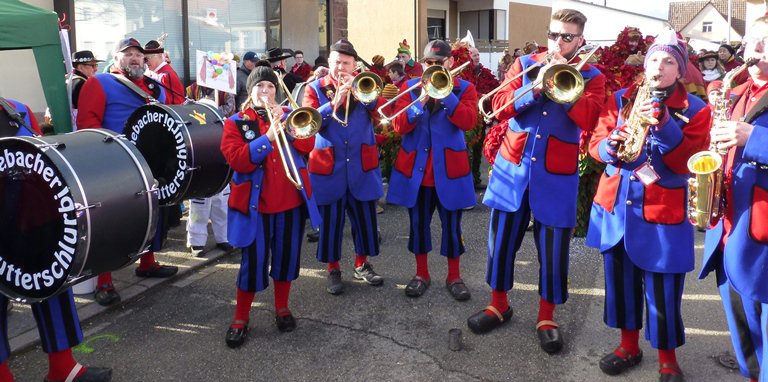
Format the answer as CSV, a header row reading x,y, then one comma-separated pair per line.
x,y
344,169
56,317
639,221
536,171
263,205
737,248
432,171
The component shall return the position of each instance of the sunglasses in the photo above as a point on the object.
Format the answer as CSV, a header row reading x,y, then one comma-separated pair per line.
x,y
567,37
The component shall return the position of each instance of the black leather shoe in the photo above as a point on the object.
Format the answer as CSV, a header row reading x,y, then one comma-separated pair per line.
x,y
313,236
367,274
613,364
670,377
106,295
551,340
335,286
236,336
417,286
226,247
158,271
285,323
481,323
91,374
197,250
458,290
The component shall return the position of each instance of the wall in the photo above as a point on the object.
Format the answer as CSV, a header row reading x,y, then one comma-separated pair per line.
x,y
527,22
444,5
300,29
376,27
720,27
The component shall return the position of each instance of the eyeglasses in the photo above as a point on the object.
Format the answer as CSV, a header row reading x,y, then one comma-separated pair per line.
x,y
433,62
567,37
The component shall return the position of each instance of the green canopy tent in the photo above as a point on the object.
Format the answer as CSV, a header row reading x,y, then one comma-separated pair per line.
x,y
23,26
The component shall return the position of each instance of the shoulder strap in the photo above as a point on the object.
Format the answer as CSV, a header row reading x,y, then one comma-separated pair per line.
x,y
130,85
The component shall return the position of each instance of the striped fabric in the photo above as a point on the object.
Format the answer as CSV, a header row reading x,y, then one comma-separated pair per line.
x,y
362,217
420,238
748,324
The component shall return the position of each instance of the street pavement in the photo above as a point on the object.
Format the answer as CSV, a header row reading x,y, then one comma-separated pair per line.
x,y
173,330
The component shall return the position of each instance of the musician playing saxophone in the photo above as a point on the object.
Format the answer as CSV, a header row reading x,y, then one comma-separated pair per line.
x,y
638,219
736,249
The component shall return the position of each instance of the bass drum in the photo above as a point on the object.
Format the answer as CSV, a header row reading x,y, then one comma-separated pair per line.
x,y
72,206
181,143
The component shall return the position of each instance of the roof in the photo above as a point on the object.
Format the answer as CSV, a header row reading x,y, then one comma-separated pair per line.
x,y
681,13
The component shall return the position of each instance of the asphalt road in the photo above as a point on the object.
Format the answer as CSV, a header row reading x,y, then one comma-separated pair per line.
x,y
175,332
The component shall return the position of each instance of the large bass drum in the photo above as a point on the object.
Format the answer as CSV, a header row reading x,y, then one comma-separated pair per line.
x,y
181,143
72,206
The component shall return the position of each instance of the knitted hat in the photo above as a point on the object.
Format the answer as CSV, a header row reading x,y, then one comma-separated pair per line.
x,y
404,48
667,41
389,91
258,74
730,49
378,60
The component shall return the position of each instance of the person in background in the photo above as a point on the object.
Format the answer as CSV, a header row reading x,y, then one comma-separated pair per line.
x,y
711,68
300,68
249,62
412,68
728,57
84,66
154,56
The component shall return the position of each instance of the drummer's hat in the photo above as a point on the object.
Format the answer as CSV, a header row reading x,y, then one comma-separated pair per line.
x,y
277,54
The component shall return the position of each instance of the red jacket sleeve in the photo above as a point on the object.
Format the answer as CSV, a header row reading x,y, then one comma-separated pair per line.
x,y
310,98
695,137
586,109
606,123
236,149
465,114
504,95
401,125
91,105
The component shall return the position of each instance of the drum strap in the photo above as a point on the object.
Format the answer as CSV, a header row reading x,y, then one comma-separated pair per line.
x,y
16,119
130,85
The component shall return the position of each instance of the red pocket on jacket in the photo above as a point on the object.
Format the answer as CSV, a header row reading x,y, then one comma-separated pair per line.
x,y
370,157
513,146
405,161
758,215
562,157
305,179
321,161
240,196
456,163
606,191
663,205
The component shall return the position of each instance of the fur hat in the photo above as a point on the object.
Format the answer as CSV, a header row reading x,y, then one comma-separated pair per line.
x,y
667,41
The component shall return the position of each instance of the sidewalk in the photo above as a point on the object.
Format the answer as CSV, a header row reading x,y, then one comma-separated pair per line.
x,y
22,328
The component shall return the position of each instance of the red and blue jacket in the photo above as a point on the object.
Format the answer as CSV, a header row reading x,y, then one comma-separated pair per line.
x,y
29,119
107,103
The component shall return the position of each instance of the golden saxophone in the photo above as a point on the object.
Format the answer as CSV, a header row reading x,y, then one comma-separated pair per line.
x,y
706,200
637,125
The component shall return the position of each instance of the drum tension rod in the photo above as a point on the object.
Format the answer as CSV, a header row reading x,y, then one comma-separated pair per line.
x,y
154,189
51,145
79,207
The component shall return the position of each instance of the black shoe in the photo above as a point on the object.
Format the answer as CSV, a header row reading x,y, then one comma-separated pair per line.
x,y
458,290
106,295
481,323
366,273
613,364
670,377
158,271
197,250
236,336
417,286
91,374
313,236
285,323
335,286
551,340
226,247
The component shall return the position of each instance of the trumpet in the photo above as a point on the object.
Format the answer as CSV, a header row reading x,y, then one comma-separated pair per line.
x,y
436,82
365,87
562,83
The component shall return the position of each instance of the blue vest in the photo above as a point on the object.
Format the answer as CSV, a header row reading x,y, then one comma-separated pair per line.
x,y
121,102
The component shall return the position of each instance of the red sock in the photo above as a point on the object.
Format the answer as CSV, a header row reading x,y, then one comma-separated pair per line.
x,y
629,342
243,307
282,290
453,269
668,357
333,265
104,278
498,301
60,364
546,313
147,261
5,372
360,260
422,268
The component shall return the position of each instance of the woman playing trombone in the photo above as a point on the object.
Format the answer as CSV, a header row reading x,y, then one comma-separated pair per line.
x,y
267,201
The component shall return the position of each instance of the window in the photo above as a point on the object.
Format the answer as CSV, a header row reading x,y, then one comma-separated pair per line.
x,y
484,25
706,27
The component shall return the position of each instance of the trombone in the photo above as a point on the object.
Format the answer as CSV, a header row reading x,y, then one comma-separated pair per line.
x,y
436,82
562,83
366,88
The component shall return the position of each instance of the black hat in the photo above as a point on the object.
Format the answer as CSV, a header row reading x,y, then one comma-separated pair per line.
x,y
84,57
708,54
258,74
437,50
153,47
277,54
344,46
126,43
730,49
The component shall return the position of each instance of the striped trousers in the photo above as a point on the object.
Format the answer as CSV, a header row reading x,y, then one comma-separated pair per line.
x,y
420,238
362,217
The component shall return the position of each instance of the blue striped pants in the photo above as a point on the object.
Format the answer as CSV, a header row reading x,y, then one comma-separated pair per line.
x,y
281,235
362,217
625,287
420,238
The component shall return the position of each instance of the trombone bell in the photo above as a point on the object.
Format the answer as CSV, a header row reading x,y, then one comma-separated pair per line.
x,y
303,123
367,87
563,83
437,82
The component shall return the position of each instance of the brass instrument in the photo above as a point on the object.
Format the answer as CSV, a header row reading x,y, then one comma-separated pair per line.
x,y
365,87
705,190
562,83
637,126
436,82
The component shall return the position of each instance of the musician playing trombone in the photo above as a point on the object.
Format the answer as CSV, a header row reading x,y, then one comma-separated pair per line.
x,y
536,171
344,168
432,168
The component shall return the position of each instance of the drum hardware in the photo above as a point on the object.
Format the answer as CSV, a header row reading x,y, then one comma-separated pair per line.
x,y
55,145
79,207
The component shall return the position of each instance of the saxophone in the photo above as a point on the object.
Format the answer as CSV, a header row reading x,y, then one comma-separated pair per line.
x,y
706,200
637,125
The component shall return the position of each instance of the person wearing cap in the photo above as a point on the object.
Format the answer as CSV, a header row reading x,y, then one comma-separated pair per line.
x,y
276,58
736,248
300,68
728,57
266,211
432,171
711,68
84,66
107,102
344,169
536,172
249,62
412,68
639,218
154,56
